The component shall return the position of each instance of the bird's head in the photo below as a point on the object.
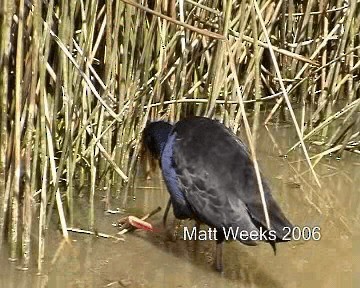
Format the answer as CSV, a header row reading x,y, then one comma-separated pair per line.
x,y
155,136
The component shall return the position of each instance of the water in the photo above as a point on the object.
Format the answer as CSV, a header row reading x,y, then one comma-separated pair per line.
x,y
153,260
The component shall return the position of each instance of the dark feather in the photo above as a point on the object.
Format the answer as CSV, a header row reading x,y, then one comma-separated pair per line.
x,y
211,178
217,177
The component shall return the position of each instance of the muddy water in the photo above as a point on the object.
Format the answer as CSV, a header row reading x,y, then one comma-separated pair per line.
x,y
153,260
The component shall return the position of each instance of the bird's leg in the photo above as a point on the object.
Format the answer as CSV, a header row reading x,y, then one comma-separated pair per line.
x,y
219,256
197,226
172,233
178,223
166,212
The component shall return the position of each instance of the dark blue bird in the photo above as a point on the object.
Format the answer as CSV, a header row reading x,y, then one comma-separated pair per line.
x,y
211,179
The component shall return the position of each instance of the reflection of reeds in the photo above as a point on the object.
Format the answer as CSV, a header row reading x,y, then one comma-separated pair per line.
x,y
78,78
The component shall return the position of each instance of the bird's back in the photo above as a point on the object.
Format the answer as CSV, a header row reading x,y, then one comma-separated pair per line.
x,y
218,179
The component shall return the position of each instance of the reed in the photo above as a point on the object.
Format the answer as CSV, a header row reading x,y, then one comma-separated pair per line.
x,y
80,79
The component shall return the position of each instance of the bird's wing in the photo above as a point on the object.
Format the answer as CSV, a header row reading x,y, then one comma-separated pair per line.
x,y
201,177
216,173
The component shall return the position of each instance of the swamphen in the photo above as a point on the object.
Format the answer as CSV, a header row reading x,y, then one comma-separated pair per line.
x,y
211,179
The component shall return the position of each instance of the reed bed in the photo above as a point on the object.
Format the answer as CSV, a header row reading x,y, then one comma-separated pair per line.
x,y
80,79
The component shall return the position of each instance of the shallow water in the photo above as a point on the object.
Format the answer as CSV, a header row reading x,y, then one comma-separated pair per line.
x,y
147,259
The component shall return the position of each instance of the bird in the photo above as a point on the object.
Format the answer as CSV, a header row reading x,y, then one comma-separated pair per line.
x,y
210,176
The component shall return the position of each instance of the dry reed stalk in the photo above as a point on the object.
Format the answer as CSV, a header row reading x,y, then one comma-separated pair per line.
x,y
256,120
250,140
94,73
5,56
28,137
15,195
286,97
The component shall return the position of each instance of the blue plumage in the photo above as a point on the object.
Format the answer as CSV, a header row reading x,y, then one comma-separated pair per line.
x,y
180,206
211,178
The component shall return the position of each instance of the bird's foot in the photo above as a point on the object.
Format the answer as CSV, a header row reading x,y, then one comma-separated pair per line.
x,y
173,233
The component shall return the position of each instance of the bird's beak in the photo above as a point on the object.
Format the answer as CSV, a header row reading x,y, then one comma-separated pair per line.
x,y
150,162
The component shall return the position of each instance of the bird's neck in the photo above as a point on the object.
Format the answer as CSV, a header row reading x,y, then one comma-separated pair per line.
x,y
157,134
161,136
